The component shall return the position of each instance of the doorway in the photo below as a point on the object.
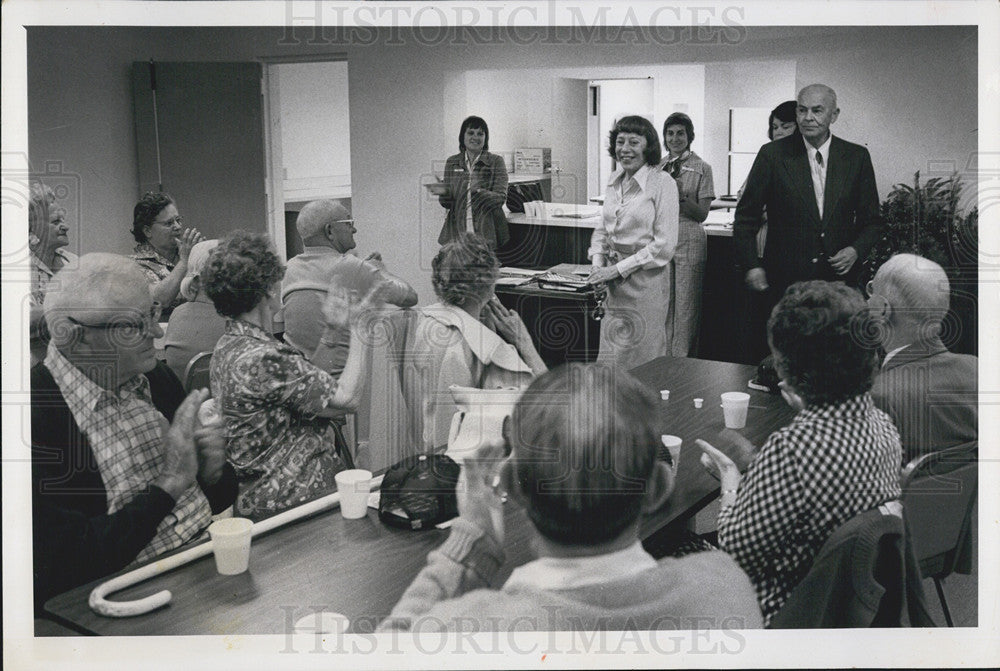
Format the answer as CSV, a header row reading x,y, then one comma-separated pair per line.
x,y
609,100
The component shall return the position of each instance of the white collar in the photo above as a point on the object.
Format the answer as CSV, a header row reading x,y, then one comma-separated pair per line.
x,y
640,176
824,149
486,345
562,573
891,354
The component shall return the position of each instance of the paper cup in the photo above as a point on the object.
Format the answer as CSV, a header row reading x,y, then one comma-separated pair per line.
x,y
354,485
734,409
698,402
231,544
673,446
665,394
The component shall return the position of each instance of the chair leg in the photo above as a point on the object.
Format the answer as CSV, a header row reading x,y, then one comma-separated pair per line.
x,y
944,602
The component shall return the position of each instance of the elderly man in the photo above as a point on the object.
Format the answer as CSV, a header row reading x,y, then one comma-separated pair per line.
x,y
928,391
821,202
583,466
327,233
113,481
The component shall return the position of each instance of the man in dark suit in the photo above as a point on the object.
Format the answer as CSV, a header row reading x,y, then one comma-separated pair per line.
x,y
821,203
929,392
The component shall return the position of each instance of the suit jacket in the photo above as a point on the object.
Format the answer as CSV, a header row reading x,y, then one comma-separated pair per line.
x,y
799,241
74,538
488,218
931,394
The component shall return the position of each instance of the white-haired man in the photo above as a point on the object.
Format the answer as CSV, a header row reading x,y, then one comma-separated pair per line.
x,y
929,392
113,480
327,231
821,202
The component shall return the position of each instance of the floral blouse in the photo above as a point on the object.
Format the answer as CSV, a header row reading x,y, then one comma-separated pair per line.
x,y
156,267
269,395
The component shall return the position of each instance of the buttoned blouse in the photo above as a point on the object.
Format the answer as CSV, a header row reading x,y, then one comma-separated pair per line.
x,y
641,213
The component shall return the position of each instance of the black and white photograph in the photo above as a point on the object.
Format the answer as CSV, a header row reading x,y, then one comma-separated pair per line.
x,y
402,334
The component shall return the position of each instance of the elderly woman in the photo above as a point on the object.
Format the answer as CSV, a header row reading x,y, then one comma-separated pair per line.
x,y
474,187
632,247
48,233
839,457
277,405
194,326
467,339
162,247
696,191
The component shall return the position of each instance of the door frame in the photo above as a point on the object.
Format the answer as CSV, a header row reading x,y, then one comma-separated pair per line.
x,y
272,142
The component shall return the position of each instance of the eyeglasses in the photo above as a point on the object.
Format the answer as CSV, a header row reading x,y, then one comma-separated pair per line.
x,y
349,222
126,327
171,222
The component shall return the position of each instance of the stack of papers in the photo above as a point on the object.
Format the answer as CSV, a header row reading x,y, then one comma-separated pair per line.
x,y
562,281
515,277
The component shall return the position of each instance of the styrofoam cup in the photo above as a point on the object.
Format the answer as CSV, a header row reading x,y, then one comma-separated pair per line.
x,y
665,394
325,622
734,408
354,485
673,445
231,544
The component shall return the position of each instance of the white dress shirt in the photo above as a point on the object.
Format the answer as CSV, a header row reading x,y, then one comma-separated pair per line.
x,y
818,169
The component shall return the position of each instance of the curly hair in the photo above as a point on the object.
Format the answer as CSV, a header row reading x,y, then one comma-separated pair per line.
x,y
146,210
464,268
816,334
583,440
640,126
240,272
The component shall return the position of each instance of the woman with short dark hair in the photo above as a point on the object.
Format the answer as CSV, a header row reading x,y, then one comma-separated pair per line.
x,y
632,246
696,191
839,457
278,406
467,339
162,247
474,187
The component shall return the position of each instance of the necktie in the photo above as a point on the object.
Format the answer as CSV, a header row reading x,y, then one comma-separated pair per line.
x,y
819,159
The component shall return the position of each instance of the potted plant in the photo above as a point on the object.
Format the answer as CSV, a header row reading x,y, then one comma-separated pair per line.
x,y
928,220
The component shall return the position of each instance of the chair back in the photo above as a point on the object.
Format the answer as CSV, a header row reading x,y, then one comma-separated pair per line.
x,y
196,372
863,576
939,493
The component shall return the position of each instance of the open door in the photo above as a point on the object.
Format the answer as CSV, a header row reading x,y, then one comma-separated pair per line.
x,y
200,137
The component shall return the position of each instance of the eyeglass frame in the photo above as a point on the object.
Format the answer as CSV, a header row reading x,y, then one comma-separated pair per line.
x,y
153,317
177,220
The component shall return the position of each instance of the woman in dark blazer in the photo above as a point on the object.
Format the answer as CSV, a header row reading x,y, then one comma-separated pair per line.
x,y
486,191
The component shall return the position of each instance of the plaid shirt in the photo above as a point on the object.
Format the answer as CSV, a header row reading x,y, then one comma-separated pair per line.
x,y
831,463
125,431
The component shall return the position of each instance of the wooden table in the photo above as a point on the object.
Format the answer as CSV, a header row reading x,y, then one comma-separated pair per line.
x,y
361,567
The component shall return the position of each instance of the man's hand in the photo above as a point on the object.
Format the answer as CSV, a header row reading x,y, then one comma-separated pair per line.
x,y
375,259
842,261
603,275
188,239
180,466
478,502
757,279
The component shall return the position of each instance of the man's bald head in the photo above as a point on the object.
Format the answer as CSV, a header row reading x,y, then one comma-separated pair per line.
x,y
917,290
314,217
822,90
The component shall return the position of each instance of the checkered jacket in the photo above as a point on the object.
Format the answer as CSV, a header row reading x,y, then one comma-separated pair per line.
x,y
831,463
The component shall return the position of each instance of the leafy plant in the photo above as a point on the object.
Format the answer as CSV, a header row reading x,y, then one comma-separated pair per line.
x,y
927,220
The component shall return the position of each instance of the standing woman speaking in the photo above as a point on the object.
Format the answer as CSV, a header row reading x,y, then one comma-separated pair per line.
x,y
695,195
632,246
474,188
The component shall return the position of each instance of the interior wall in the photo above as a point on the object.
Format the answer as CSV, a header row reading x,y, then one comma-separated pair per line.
x,y
907,92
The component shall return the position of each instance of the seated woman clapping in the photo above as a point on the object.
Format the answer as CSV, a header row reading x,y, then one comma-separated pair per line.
x,y
467,339
839,456
277,405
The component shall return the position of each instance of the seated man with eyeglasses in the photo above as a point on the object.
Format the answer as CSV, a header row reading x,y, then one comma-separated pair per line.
x,y
113,480
327,233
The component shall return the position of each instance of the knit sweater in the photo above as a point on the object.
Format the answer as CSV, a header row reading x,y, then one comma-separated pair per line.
x,y
700,591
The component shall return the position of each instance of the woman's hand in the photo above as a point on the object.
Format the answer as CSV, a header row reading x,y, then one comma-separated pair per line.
x,y
603,275
717,462
188,239
507,323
